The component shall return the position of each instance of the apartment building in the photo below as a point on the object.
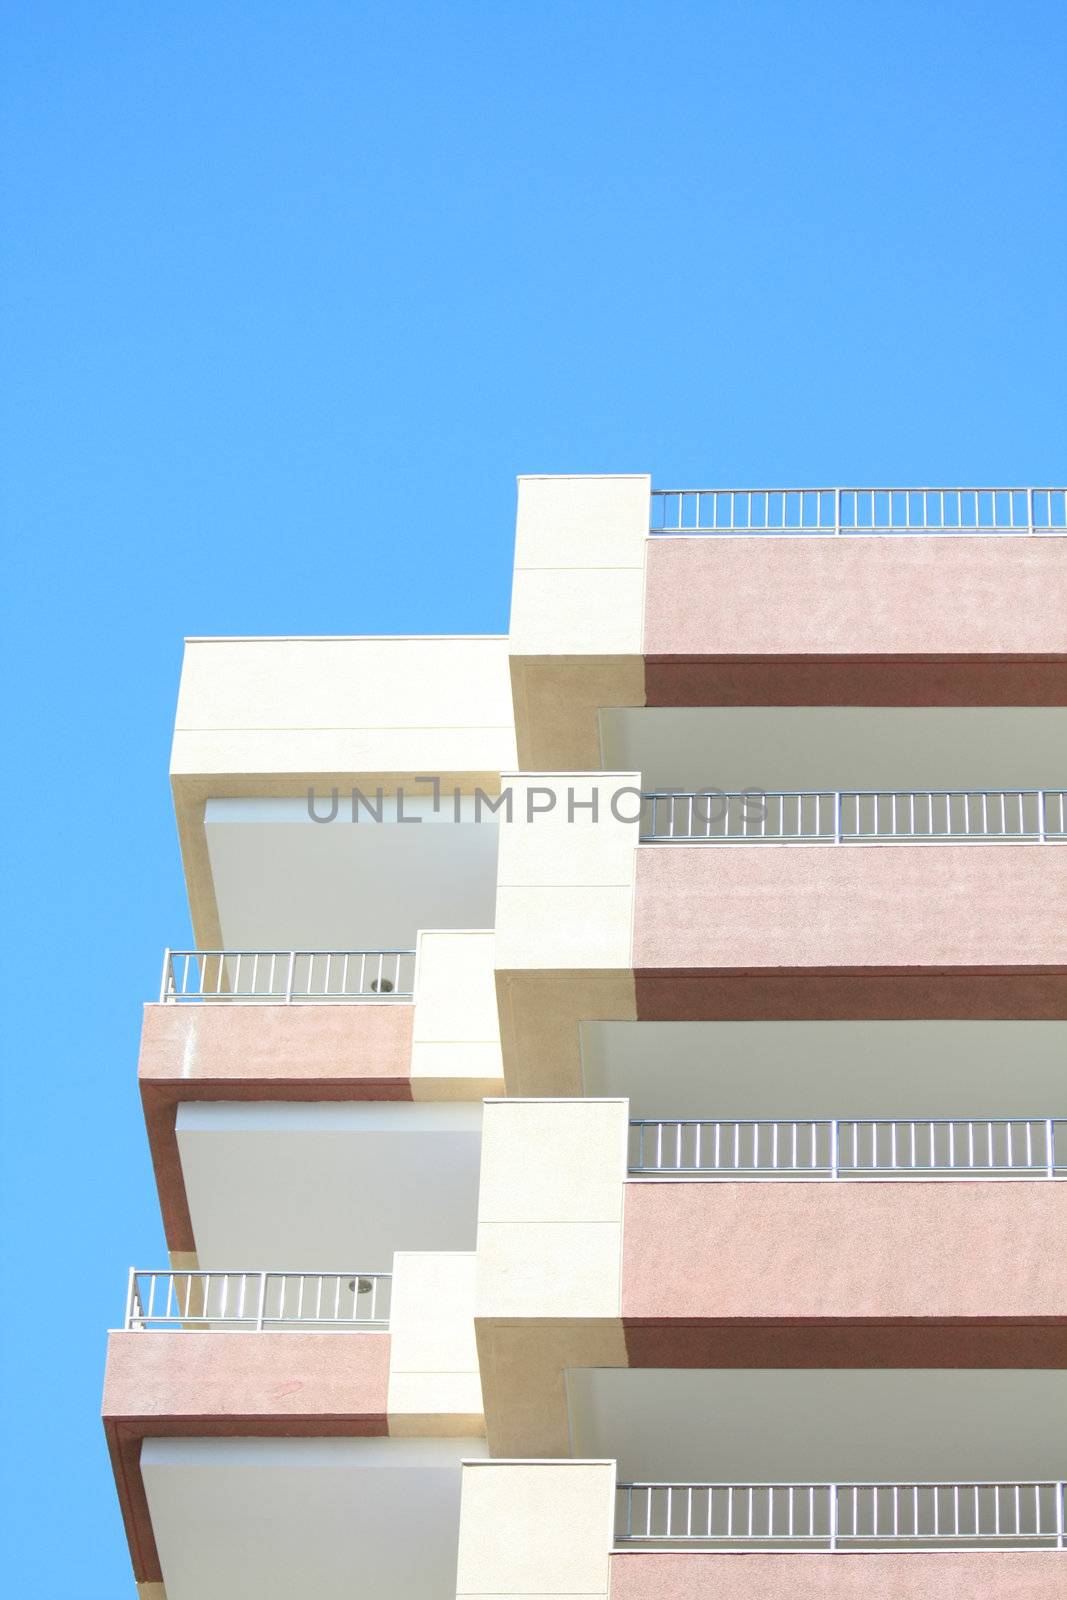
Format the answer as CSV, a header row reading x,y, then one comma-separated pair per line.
x,y
611,1133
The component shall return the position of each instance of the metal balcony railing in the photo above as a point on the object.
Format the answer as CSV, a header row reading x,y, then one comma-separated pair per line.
x,y
838,1516
288,975
230,1301
854,816
905,1147
850,511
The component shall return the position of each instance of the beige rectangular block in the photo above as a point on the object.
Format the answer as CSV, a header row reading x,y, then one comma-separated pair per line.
x,y
588,837
431,1319
589,520
415,682
539,1528
455,998
433,1356
553,1161
565,882
548,928
571,612
306,706
549,1269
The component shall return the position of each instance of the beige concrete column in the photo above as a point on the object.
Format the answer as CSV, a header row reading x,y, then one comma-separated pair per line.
x,y
455,1049
549,1281
535,1529
565,897
434,1386
577,611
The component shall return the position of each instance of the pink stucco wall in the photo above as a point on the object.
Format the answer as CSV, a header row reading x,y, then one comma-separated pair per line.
x,y
288,1042
981,906
856,595
851,1249
914,1575
179,1378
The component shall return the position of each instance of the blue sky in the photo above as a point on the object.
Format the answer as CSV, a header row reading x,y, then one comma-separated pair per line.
x,y
292,292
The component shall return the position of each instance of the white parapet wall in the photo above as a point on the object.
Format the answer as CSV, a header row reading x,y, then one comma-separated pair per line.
x,y
535,1529
307,706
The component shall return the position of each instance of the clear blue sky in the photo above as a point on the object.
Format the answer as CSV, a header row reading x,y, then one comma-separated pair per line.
x,y
292,293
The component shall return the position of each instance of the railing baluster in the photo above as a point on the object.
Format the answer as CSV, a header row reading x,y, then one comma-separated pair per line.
x,y
253,976
892,816
856,1147
870,1515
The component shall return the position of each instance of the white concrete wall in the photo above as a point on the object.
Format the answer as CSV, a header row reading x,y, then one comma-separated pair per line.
x,y
434,1384
456,1038
550,1208
580,566
565,881
535,1529
344,706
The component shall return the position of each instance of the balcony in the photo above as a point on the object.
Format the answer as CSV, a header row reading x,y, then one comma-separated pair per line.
x,y
621,902
326,788
684,1245
263,1074
547,1527
627,597
277,1428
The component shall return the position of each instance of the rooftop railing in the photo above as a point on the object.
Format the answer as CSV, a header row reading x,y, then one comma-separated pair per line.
x,y
864,511
855,816
828,1147
843,1516
288,975
232,1301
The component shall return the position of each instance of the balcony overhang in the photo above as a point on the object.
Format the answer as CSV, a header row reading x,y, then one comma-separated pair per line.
x,y
580,1267
865,931
834,1274
262,721
910,619
605,615
249,1049
218,1385
323,1517
174,1391
595,926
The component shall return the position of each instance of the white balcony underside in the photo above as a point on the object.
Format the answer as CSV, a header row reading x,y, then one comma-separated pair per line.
x,y
837,747
333,1519
681,1425
829,1069
310,1185
282,881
